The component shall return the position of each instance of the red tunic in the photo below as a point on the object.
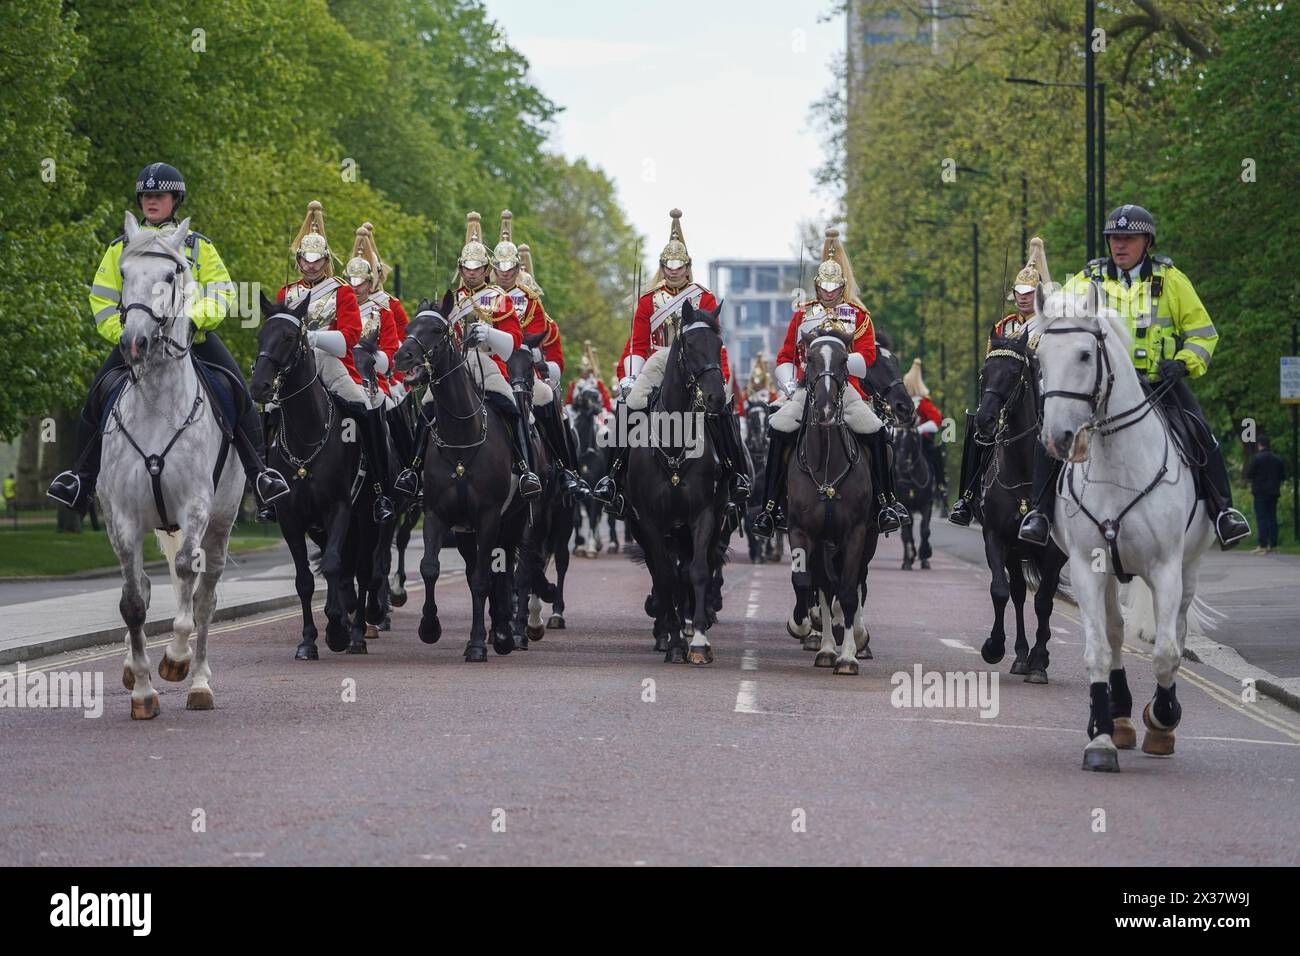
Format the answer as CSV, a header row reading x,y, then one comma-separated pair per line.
x,y
400,322
347,319
604,394
502,317
643,338
621,368
926,411
864,339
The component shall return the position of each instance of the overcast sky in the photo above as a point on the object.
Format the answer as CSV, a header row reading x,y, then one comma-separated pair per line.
x,y
705,106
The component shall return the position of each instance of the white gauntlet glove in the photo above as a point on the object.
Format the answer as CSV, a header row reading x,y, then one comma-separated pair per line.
x,y
329,341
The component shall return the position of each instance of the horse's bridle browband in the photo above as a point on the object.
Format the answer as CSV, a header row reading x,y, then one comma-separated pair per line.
x,y
435,381
692,379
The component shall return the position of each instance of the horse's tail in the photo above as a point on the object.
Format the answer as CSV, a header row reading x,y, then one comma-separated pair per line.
x,y
169,542
634,552
1035,580
1140,616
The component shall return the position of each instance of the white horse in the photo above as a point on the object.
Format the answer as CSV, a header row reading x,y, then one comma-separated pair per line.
x,y
1126,505
162,437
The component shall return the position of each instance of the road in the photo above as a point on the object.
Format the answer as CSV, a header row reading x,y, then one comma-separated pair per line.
x,y
757,759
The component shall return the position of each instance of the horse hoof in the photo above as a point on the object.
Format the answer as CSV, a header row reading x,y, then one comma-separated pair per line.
x,y
699,655
199,698
825,659
430,631
387,623
1157,742
1125,735
372,632
534,633
337,637
476,654
907,566
357,647
555,623
171,670
925,564
992,651
849,667
1020,666
813,641
676,654
1101,759
792,631
521,642
128,678
397,598
661,643
306,652
864,654
1037,676
146,709
613,548
503,642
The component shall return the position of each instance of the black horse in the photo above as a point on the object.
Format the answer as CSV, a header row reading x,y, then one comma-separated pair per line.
x,y
308,448
549,526
593,465
677,499
468,477
1007,417
761,550
915,480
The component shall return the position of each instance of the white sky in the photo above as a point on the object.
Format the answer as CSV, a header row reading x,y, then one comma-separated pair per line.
x,y
705,106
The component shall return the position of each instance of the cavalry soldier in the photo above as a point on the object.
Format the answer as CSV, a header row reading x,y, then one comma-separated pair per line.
x,y
930,419
334,328
654,326
383,322
836,304
159,192
761,388
484,318
975,457
588,377
512,267
1173,339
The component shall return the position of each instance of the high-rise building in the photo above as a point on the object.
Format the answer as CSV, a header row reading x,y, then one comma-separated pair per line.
x,y
755,296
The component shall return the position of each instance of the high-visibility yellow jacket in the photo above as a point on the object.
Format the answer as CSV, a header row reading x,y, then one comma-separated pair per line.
x,y
215,299
1165,316
11,489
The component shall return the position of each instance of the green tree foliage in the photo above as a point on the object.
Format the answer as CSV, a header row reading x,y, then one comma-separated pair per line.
x,y
1194,88
406,113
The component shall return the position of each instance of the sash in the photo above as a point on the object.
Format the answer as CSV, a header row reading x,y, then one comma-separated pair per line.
x,y
673,306
320,299
465,307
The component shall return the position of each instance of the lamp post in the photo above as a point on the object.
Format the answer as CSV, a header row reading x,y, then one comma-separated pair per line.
x,y
1095,147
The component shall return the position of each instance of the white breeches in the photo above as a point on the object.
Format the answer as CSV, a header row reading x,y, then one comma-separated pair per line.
x,y
651,377
858,415
334,376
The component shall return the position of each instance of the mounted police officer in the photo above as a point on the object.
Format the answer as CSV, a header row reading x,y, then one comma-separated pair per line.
x,y
837,302
975,457
159,192
1173,339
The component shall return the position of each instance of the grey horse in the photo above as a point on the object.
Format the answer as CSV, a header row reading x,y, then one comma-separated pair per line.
x,y
161,447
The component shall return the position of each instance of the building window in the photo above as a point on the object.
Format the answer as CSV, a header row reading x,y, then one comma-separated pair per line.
x,y
738,280
755,314
767,279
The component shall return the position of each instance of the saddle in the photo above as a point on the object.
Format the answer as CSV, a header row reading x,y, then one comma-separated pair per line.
x,y
224,394
1190,436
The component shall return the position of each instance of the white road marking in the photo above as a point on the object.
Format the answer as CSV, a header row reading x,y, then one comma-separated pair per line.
x,y
747,697
751,612
249,856
958,645
749,660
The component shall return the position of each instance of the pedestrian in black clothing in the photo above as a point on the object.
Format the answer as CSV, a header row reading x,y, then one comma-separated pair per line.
x,y
1265,472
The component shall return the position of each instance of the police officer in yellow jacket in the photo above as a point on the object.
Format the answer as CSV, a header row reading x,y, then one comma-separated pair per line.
x,y
1173,339
159,192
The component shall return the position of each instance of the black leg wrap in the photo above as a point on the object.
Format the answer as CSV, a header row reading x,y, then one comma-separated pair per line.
x,y
1121,700
1166,709
1100,720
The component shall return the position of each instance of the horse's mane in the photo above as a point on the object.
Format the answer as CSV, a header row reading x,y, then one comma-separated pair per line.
x,y
1058,307
883,341
149,240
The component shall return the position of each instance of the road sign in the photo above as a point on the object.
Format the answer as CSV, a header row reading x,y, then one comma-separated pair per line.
x,y
1290,380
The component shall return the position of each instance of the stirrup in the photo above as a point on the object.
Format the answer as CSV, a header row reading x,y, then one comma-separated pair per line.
x,y
616,506
66,489
743,487
1035,528
764,524
606,491
1230,527
960,515
408,483
382,510
887,520
530,486
904,516
270,485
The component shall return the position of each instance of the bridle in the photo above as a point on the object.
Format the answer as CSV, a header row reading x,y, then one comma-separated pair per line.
x,y
162,323
299,465
693,377
826,489
425,360
1009,400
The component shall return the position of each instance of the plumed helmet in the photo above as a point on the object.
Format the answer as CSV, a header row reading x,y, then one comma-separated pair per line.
x,y
1130,220
310,243
506,254
913,381
675,254
160,178
473,254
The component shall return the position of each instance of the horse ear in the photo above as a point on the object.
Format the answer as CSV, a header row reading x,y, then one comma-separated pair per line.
x,y
130,226
300,307
716,314
1040,299
422,307
181,233
268,307
1093,303
447,303
688,312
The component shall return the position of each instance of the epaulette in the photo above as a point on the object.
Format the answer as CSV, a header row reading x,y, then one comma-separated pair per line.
x,y
121,239
1096,266
862,329
1163,260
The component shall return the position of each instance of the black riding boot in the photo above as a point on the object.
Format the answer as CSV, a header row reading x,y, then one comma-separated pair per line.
x,y
553,430
606,491
882,476
266,511
530,486
410,478
1036,526
767,522
974,459
74,487
268,484
733,454
375,442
